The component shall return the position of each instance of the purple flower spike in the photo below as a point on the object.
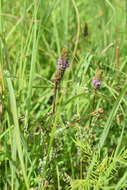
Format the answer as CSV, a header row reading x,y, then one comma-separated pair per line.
x,y
62,63
96,83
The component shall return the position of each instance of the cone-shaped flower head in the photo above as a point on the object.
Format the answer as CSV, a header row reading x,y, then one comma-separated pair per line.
x,y
63,60
62,64
96,80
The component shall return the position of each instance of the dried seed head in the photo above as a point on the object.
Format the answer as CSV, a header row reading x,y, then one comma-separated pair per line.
x,y
98,74
86,32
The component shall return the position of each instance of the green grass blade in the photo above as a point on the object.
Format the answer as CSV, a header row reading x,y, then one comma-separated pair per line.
x,y
121,182
13,108
111,116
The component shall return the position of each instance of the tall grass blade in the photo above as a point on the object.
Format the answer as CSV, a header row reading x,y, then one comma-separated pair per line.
x,y
18,143
111,117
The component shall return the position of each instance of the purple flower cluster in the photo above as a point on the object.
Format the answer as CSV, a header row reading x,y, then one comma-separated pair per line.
x,y
96,83
62,63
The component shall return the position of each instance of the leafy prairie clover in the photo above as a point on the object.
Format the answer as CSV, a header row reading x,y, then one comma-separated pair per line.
x,y
96,81
62,64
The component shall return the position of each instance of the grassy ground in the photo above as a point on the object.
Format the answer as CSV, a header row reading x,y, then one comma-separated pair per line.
x,y
83,145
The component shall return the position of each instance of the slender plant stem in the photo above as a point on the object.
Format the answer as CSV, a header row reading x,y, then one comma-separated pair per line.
x,y
55,95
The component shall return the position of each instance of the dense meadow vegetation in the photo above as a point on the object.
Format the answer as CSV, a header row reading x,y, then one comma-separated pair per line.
x,y
63,95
